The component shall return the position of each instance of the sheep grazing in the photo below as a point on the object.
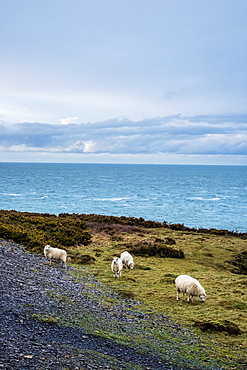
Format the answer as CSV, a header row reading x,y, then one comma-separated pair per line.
x,y
117,266
127,260
188,285
56,254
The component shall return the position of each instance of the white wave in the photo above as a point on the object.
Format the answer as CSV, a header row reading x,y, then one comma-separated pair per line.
x,y
205,199
111,199
108,180
12,194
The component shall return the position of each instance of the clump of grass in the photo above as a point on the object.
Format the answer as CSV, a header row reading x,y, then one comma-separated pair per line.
x,y
46,318
141,267
224,326
239,262
83,259
126,294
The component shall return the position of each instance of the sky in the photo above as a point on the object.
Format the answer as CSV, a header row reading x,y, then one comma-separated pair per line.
x,y
126,81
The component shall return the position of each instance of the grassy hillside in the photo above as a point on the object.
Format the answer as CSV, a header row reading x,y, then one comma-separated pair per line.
x,y
151,282
217,258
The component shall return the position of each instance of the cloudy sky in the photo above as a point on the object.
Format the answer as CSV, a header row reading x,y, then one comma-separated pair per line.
x,y
126,81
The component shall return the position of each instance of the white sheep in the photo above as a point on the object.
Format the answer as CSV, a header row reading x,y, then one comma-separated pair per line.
x,y
117,266
127,260
56,254
188,285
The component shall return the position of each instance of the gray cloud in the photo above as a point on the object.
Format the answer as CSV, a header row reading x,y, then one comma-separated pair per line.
x,y
175,134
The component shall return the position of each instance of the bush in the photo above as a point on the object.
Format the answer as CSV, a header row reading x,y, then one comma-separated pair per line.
x,y
122,220
159,248
113,229
34,230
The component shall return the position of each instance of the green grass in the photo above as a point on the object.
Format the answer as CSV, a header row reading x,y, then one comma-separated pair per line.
x,y
45,318
207,255
152,282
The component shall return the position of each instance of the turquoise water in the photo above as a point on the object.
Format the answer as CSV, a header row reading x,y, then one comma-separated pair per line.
x,y
197,196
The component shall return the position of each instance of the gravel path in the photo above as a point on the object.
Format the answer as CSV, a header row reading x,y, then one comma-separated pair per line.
x,y
37,301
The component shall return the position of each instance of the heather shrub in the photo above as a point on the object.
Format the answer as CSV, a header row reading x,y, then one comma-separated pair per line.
x,y
34,230
113,229
158,248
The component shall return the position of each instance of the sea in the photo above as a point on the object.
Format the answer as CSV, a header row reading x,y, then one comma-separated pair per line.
x,y
194,195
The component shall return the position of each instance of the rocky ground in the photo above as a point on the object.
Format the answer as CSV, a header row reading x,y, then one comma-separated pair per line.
x,y
50,320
